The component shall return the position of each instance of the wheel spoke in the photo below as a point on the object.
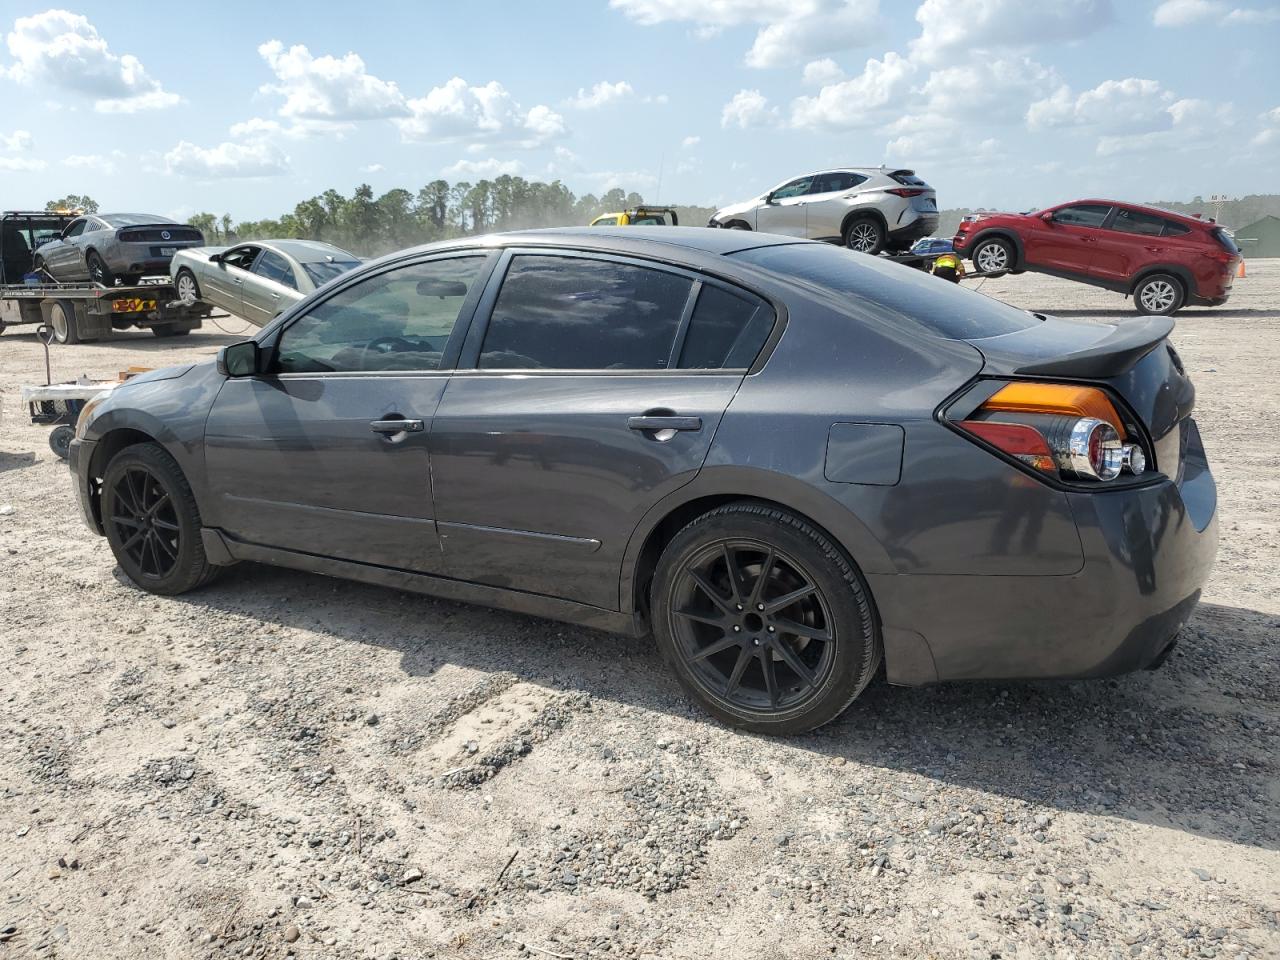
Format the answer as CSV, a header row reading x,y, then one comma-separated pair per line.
x,y
770,676
790,628
711,649
710,591
731,565
766,568
165,524
170,551
694,615
133,540
745,656
159,502
127,521
795,663
787,599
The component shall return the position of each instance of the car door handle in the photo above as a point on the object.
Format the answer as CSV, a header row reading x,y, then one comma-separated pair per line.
x,y
397,425
664,423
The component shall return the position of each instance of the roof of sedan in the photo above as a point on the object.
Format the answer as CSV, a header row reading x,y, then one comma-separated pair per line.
x,y
312,251
702,239
131,219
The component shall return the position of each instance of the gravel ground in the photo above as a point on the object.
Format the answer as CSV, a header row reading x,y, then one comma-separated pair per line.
x,y
286,765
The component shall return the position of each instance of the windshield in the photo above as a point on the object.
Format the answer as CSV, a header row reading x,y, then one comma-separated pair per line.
x,y
323,271
948,310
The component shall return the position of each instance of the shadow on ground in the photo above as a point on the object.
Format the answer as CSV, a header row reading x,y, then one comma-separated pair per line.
x,y
1191,747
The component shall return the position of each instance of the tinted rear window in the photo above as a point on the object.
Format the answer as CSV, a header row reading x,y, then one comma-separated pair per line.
x,y
907,178
1225,239
725,332
948,310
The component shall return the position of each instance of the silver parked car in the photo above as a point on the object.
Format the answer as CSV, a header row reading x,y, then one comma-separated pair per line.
x,y
258,280
867,209
106,247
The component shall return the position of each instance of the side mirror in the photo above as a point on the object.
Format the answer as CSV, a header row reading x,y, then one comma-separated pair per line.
x,y
1047,217
768,198
215,258
242,359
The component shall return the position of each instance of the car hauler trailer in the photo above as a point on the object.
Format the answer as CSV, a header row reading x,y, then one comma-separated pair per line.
x,y
77,312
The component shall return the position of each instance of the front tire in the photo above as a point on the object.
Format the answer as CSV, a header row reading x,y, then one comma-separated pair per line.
x,y
764,620
1159,294
864,235
152,521
993,257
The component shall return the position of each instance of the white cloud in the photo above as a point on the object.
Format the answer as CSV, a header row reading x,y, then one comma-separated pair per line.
x,y
790,31
602,93
991,90
1181,13
258,158
458,111
690,142
327,87
372,168
627,179
17,141
748,108
856,102
102,163
1192,124
1002,25
258,127
820,73
1128,106
482,168
64,50
21,164
1270,132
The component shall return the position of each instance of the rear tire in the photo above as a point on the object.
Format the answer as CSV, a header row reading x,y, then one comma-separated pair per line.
x,y
62,321
864,235
780,642
98,270
152,522
185,286
994,257
1159,295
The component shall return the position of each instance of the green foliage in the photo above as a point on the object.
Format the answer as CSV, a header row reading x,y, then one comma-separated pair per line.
x,y
73,201
370,226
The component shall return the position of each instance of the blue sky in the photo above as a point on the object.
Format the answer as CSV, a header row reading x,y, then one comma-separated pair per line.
x,y
248,108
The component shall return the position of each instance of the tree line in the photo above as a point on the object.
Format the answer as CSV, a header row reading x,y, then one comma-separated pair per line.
x,y
371,225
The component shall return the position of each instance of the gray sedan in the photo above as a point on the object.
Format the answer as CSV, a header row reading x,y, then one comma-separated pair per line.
x,y
104,248
258,280
794,465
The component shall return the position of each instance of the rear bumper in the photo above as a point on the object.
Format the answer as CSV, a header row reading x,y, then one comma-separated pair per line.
x,y
1147,553
79,456
908,233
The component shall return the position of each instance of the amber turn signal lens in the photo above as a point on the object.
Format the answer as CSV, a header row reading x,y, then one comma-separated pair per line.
x,y
1062,398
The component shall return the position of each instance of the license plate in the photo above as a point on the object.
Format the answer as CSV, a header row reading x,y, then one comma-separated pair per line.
x,y
168,251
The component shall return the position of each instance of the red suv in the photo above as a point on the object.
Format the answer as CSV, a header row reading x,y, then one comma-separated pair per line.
x,y
1163,260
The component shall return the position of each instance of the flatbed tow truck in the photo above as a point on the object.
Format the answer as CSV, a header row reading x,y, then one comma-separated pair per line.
x,y
83,311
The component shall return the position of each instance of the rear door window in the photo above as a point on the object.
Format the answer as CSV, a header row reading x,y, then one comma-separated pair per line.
x,y
1174,229
1083,215
1136,221
275,267
574,313
835,182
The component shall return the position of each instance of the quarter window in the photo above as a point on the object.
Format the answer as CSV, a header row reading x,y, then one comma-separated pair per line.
x,y
572,313
835,182
397,320
1135,221
1083,215
726,331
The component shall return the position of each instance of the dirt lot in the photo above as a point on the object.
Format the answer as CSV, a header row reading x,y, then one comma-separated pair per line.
x,y
285,765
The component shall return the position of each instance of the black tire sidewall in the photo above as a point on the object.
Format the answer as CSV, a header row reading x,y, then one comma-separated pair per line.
x,y
1178,302
192,567
848,598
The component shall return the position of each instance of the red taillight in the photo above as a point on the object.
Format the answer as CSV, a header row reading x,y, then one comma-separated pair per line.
x,y
904,192
1017,440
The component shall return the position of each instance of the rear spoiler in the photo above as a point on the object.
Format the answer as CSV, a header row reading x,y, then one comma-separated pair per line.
x,y
1130,341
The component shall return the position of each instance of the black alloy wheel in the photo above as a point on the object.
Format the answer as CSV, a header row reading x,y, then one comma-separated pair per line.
x,y
151,521
764,620
98,271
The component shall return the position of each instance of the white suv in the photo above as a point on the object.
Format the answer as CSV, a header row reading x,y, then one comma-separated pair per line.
x,y
867,209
